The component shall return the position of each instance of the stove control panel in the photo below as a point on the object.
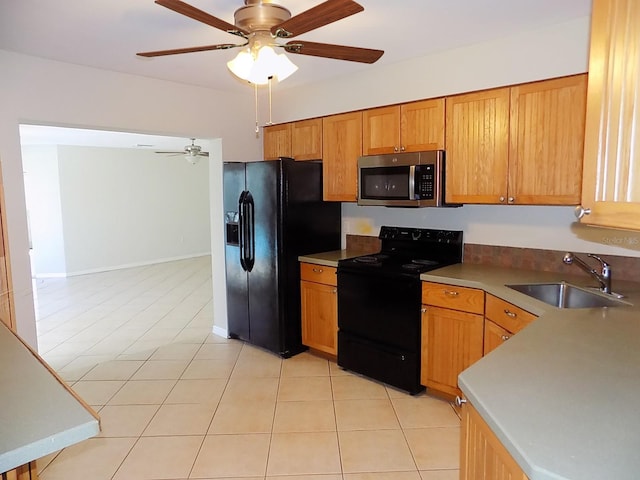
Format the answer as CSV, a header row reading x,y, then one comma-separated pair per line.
x,y
420,235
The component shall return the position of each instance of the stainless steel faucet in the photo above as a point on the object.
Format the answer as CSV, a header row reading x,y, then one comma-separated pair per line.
x,y
603,277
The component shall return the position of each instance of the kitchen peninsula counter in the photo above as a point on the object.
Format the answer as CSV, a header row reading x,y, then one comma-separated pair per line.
x,y
38,413
561,395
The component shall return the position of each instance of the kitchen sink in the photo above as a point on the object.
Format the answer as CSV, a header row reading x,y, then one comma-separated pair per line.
x,y
565,295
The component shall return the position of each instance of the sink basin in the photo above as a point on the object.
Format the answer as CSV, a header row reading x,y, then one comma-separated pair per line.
x,y
565,295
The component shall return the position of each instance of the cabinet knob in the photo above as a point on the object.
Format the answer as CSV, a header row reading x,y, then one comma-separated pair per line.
x,y
335,290
395,149
423,310
580,211
509,313
511,200
505,338
460,401
402,148
501,199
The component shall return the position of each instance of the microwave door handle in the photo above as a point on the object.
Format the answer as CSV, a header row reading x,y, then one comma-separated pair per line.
x,y
412,182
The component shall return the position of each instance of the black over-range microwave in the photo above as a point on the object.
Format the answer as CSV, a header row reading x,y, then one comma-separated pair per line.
x,y
415,179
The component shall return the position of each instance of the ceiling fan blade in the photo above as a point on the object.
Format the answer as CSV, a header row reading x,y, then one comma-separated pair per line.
x,y
175,51
316,17
197,14
339,52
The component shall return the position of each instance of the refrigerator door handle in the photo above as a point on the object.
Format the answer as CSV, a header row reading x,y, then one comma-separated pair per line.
x,y
251,236
242,229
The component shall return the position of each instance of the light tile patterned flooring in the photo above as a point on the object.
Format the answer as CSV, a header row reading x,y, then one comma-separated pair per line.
x,y
178,402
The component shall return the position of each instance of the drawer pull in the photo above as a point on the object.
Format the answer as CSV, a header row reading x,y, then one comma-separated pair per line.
x,y
318,270
505,338
509,313
451,293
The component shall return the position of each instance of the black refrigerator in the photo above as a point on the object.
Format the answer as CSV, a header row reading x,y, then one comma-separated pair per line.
x,y
273,213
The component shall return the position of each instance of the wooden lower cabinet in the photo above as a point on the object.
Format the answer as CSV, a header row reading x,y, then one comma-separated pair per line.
x,y
451,342
319,301
482,456
502,320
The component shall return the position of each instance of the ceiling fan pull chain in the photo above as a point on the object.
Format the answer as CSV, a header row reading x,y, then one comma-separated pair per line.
x,y
255,88
270,119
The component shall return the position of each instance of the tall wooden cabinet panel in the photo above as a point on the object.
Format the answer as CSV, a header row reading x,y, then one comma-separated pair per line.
x,y
477,144
306,139
277,141
411,127
611,188
6,289
341,147
547,141
482,456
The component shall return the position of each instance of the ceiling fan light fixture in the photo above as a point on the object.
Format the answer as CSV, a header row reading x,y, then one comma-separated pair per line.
x,y
260,67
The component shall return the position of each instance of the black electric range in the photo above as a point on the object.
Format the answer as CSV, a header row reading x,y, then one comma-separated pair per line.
x,y
379,303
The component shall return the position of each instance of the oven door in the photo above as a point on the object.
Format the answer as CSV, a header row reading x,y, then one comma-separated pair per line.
x,y
386,185
380,308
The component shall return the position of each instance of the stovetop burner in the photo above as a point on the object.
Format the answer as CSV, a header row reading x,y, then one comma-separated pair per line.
x,y
372,259
409,252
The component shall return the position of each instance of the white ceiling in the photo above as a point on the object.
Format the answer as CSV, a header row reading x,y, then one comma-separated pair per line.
x,y
106,34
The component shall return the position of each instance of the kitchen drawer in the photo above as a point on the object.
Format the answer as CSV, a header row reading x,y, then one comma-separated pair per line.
x,y
450,296
318,274
507,315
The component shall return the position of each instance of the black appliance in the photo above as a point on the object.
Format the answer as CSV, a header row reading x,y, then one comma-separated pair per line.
x,y
273,213
379,303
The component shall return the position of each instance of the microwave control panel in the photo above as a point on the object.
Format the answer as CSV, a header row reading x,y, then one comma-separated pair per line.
x,y
425,182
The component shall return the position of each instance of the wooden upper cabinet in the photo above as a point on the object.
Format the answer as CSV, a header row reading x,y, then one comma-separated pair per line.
x,y
477,144
306,139
518,145
277,141
411,127
610,188
547,141
341,147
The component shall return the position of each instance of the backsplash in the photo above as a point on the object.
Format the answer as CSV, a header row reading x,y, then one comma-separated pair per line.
x,y
624,268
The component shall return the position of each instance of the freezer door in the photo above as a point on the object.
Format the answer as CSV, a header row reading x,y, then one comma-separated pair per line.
x,y
237,282
263,184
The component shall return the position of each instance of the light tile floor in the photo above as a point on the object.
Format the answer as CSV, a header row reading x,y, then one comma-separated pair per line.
x,y
178,402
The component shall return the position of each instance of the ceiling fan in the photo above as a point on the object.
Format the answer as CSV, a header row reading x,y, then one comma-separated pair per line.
x,y
261,22
192,153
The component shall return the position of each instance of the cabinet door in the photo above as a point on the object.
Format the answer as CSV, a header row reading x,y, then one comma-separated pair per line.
x,y
494,336
319,316
547,141
341,146
422,125
277,141
306,139
451,341
381,130
477,144
610,189
482,456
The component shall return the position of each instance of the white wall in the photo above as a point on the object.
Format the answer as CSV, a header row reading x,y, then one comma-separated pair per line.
x,y
549,52
42,190
33,90
123,207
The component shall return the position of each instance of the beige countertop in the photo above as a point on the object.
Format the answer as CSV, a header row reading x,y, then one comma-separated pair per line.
x,y
328,259
561,394
38,414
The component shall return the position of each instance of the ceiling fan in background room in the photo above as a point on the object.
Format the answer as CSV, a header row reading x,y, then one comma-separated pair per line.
x,y
192,153
262,25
